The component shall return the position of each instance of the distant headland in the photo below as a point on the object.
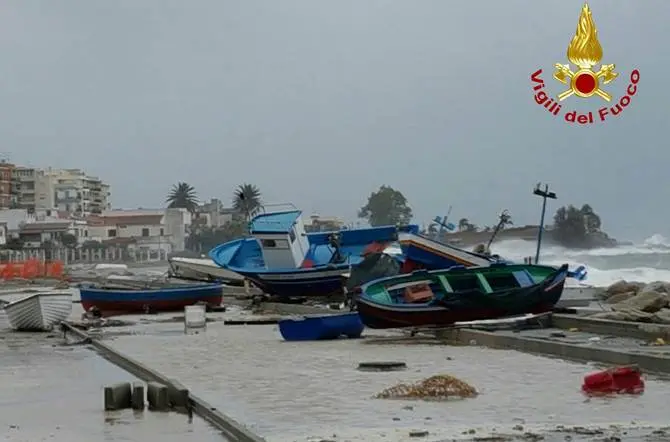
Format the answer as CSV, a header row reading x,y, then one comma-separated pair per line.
x,y
573,228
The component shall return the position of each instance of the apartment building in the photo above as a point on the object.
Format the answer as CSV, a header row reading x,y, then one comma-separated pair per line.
x,y
7,197
67,190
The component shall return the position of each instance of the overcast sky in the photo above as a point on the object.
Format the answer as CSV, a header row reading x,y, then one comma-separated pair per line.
x,y
321,102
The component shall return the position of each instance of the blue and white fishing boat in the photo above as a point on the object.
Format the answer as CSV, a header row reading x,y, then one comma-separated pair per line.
x,y
282,259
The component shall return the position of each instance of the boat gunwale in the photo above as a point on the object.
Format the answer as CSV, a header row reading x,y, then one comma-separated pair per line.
x,y
32,296
167,290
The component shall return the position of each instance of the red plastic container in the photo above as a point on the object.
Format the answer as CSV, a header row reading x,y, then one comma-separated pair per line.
x,y
614,380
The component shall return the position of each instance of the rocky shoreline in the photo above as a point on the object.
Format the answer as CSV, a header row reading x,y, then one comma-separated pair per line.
x,y
636,302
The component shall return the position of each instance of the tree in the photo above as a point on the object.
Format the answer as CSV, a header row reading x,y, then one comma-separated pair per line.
x,y
575,227
92,245
182,196
14,243
464,225
206,238
505,220
68,240
247,200
386,206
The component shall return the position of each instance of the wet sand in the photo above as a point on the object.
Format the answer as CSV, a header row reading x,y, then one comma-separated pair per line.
x,y
312,390
50,392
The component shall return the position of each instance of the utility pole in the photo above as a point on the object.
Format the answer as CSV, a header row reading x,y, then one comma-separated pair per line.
x,y
544,194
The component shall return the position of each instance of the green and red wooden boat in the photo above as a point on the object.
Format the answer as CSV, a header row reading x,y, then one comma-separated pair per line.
x,y
441,298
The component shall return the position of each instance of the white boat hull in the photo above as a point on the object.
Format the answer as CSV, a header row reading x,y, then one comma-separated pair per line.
x,y
38,312
202,269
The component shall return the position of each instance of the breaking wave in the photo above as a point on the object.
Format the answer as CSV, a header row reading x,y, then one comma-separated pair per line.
x,y
645,262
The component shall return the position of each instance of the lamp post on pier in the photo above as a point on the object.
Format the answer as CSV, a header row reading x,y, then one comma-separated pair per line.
x,y
544,194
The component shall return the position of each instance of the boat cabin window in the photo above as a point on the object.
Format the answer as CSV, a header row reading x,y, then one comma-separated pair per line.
x,y
464,283
291,234
502,281
274,244
268,243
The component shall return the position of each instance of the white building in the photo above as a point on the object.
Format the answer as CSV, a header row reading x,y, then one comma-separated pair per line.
x,y
34,234
70,190
163,229
213,214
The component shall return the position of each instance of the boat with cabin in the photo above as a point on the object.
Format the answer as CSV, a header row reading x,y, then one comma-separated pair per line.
x,y
441,298
283,260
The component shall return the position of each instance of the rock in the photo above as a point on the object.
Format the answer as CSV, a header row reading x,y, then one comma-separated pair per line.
x,y
662,316
625,313
657,286
649,302
619,297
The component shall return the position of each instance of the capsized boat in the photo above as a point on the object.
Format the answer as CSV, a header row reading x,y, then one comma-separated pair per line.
x,y
39,311
313,328
202,269
283,260
117,301
442,297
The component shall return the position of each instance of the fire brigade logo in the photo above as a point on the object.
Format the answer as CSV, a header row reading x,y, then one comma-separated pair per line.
x,y
584,81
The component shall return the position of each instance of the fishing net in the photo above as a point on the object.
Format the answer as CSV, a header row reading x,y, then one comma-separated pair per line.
x,y
437,388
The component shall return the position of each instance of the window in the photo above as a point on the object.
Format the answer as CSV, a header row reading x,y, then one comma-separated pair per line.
x,y
145,232
162,232
269,243
111,233
291,234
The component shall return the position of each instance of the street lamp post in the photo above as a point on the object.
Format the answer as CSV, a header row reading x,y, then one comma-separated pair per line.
x,y
544,194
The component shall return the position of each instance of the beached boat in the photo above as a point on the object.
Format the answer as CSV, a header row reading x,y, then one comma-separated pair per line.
x,y
116,301
202,269
443,297
283,260
39,311
313,328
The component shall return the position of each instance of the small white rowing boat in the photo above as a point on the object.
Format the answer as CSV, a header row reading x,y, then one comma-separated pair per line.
x,y
39,311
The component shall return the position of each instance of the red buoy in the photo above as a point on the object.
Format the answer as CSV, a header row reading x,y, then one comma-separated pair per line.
x,y
622,380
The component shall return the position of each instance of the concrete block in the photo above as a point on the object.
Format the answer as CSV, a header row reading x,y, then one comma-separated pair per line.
x,y
118,396
178,396
137,400
157,396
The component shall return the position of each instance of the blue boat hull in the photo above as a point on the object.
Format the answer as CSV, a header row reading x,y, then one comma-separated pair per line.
x,y
118,302
322,327
315,282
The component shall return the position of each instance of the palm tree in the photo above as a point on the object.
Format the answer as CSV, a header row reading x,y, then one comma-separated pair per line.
x,y
247,200
183,196
463,224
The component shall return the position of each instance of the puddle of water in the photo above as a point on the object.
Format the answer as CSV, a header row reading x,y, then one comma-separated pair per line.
x,y
54,393
313,388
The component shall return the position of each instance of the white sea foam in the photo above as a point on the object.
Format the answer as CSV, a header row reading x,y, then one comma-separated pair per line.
x,y
646,262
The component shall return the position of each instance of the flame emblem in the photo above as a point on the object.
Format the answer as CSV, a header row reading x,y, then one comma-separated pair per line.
x,y
585,52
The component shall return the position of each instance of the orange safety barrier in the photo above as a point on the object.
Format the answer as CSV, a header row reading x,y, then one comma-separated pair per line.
x,y
31,268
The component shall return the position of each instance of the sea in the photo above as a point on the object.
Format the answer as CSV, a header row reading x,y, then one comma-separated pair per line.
x,y
645,262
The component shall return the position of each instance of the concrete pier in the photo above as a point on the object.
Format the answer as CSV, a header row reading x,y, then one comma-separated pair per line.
x,y
178,396
157,397
137,400
228,426
118,396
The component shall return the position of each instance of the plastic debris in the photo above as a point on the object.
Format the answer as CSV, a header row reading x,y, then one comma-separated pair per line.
x,y
622,380
438,388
